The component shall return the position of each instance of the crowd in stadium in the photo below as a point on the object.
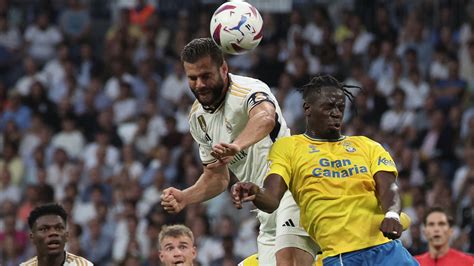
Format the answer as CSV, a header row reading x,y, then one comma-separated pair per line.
x,y
94,109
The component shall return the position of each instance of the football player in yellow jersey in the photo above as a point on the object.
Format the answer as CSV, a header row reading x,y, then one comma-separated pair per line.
x,y
49,235
345,186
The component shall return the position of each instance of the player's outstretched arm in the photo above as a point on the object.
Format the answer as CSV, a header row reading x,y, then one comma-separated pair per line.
x,y
261,123
389,198
266,199
211,183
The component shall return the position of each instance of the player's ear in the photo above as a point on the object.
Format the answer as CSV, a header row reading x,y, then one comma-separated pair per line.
x,y
306,109
224,69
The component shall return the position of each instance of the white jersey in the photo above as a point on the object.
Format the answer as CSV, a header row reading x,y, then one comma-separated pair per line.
x,y
228,121
71,260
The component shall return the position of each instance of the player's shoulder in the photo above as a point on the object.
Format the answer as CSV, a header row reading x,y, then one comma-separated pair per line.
x,y
31,262
72,259
362,140
246,85
461,255
194,108
287,141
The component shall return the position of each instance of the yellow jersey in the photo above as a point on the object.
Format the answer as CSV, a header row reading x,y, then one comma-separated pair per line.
x,y
332,183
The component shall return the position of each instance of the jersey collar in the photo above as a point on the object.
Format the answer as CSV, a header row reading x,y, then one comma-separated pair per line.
x,y
325,140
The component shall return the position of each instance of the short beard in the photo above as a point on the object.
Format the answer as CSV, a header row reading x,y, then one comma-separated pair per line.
x,y
218,94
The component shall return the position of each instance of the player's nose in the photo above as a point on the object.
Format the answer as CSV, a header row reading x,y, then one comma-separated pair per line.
x,y
200,83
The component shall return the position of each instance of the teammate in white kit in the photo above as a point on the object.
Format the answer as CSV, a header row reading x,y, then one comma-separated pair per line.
x,y
243,113
49,235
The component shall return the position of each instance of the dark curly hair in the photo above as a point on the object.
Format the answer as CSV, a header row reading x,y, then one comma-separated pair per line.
x,y
46,209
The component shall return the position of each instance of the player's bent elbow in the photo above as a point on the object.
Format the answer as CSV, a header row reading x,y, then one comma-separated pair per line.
x,y
269,207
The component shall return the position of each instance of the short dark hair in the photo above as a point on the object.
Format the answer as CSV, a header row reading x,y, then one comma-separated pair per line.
x,y
325,81
441,210
200,48
46,209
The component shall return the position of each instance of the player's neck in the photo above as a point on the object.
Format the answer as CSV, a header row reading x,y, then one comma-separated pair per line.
x,y
438,252
52,260
312,135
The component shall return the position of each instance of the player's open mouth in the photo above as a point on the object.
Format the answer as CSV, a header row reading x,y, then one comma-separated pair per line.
x,y
179,262
54,244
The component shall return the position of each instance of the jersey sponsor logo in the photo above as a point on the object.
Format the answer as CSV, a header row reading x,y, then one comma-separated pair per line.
x,y
385,161
348,146
333,168
313,149
289,223
239,156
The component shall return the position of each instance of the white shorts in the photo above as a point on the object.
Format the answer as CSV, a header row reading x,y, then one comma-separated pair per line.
x,y
278,231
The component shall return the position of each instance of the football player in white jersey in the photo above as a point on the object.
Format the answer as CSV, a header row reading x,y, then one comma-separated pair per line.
x,y
242,112
49,235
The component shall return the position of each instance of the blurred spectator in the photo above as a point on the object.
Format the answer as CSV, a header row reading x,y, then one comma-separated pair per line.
x,y
418,244
450,90
75,22
10,229
209,248
389,80
141,13
269,66
41,105
88,65
382,65
291,102
8,191
229,258
125,105
58,172
69,138
16,111
98,241
90,153
175,86
41,39
416,89
397,119
12,162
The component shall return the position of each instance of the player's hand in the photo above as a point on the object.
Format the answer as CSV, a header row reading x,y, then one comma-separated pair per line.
x,y
172,200
243,192
391,228
224,153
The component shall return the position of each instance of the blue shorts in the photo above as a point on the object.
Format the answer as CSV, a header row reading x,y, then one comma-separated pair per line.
x,y
388,254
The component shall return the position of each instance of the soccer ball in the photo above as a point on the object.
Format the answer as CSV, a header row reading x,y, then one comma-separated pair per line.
x,y
236,27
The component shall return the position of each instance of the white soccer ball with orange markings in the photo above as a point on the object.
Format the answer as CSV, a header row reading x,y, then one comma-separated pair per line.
x,y
236,27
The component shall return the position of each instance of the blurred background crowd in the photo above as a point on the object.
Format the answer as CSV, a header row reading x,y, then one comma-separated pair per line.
x,y
94,105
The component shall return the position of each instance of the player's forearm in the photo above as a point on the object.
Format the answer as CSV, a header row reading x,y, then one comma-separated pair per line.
x,y
207,187
387,191
390,199
258,126
266,201
268,198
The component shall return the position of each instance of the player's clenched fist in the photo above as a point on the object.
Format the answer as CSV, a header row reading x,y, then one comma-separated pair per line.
x,y
391,228
243,192
172,200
